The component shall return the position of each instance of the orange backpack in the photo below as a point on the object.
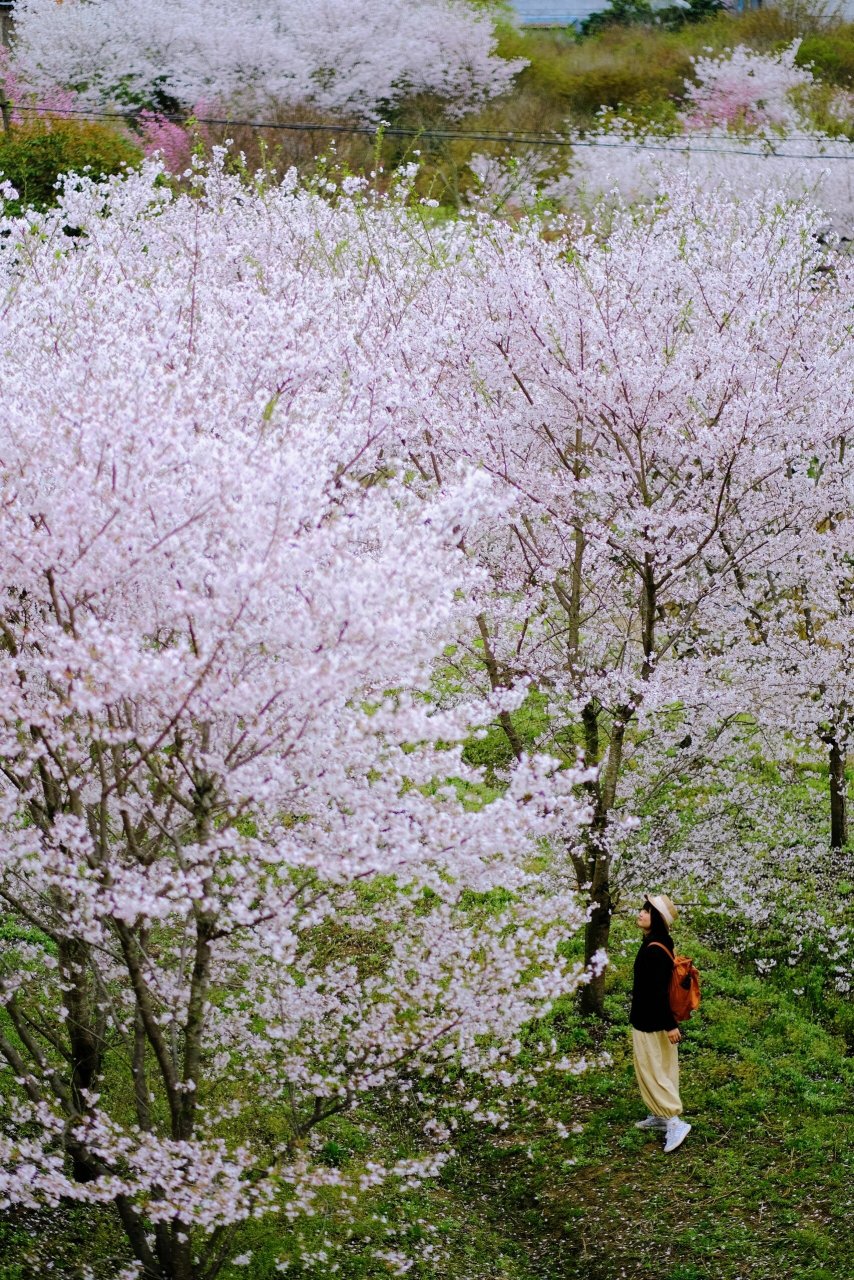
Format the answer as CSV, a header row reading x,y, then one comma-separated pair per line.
x,y
684,985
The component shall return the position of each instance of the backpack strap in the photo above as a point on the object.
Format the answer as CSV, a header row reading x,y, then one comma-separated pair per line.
x,y
663,948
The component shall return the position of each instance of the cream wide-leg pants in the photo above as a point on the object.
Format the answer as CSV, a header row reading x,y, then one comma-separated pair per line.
x,y
657,1071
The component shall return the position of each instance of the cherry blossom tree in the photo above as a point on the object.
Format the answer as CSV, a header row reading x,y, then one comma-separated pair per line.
x,y
334,55
746,125
165,138
237,869
742,89
649,397
791,656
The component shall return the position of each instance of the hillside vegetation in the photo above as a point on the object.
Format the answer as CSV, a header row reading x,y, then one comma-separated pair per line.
x,y
636,70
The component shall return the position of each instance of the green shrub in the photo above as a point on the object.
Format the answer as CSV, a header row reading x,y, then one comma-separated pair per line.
x,y
624,85
831,55
624,66
628,13
33,155
643,68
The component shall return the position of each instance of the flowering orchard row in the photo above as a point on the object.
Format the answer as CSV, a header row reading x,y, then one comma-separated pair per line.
x,y
301,492
747,118
339,55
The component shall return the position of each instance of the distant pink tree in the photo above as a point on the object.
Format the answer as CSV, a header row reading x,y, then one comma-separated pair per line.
x,y
165,137
21,101
742,89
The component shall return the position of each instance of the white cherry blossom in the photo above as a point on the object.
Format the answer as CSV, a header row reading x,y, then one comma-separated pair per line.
x,y
339,55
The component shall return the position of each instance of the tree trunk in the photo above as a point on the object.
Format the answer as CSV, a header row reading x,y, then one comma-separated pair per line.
x,y
593,867
497,680
838,797
597,931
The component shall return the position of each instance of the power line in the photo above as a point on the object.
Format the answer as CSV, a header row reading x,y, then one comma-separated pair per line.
x,y
514,139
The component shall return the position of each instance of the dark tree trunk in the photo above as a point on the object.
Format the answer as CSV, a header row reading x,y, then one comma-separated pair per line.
x,y
597,931
593,868
838,797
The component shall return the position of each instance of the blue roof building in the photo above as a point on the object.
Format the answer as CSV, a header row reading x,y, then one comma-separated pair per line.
x,y
557,13
561,13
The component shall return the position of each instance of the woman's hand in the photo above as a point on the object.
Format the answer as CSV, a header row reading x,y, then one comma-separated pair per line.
x,y
674,1036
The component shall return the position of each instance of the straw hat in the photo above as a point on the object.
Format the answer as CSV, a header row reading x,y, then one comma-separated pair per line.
x,y
664,906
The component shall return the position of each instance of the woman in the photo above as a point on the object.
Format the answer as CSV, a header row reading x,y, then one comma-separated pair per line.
x,y
655,1034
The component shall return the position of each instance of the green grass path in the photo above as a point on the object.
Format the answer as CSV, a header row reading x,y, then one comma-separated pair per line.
x,y
762,1189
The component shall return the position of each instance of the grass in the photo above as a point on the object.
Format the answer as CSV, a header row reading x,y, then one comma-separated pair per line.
x,y
763,1188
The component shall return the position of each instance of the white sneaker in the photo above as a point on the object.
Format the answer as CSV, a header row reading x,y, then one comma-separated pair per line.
x,y
651,1122
677,1132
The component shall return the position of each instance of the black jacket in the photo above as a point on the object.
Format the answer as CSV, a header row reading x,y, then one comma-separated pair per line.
x,y
651,991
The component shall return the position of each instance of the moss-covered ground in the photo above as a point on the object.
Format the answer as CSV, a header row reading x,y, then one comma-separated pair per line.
x,y
763,1188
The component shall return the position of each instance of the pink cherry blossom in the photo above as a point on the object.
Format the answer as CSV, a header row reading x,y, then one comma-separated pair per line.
x,y
743,89
221,747
166,138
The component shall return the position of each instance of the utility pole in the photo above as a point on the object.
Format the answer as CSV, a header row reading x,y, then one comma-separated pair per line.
x,y
6,23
